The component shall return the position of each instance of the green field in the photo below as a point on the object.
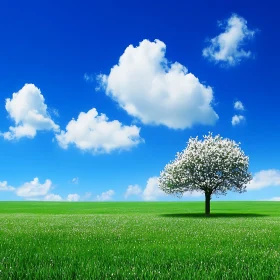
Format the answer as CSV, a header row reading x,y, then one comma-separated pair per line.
x,y
139,240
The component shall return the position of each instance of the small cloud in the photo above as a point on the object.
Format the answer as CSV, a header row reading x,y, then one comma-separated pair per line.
x,y
227,48
52,197
28,110
89,77
152,190
5,187
237,119
75,180
54,112
95,133
239,106
34,191
73,197
87,195
105,195
34,188
133,190
101,80
264,179
277,198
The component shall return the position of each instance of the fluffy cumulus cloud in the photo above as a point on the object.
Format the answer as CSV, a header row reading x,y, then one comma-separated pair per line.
x,y
152,190
28,110
5,187
238,106
52,197
95,133
108,195
34,188
147,86
237,119
132,190
227,47
264,179
73,197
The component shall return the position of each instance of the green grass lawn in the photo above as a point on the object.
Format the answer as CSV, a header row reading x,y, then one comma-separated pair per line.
x,y
139,240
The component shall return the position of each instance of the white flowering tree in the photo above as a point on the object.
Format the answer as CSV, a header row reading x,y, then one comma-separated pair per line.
x,y
213,166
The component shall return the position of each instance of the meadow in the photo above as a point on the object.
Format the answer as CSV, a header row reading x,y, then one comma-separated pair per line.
x,y
139,240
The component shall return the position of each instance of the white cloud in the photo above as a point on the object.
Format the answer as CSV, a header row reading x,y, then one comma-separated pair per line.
x,y
55,197
105,195
94,133
89,77
73,197
264,179
152,190
133,190
75,180
28,110
5,187
87,195
52,197
237,119
239,106
34,188
276,198
54,112
40,192
227,47
147,86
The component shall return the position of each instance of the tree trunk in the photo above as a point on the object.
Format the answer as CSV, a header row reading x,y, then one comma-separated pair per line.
x,y
207,202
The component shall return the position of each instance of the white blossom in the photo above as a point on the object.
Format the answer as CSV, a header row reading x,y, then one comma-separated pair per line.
x,y
213,165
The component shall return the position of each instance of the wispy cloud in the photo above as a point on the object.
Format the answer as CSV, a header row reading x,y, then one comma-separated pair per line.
x,y
5,187
276,198
89,77
108,195
75,181
227,48
73,197
52,197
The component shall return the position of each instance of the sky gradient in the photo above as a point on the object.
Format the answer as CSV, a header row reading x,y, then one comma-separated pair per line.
x,y
96,97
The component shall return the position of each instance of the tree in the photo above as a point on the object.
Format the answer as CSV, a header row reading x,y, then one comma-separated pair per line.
x,y
213,166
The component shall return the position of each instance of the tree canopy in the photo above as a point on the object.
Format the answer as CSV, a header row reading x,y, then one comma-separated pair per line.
x,y
213,165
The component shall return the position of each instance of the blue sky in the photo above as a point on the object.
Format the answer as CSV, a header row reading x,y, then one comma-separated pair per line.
x,y
97,96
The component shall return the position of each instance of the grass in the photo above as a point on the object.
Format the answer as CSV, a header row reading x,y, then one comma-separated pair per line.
x,y
138,240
